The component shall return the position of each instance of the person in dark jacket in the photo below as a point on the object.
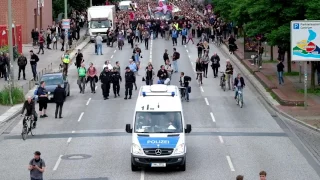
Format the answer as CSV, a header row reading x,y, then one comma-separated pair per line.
x,y
116,79
105,78
215,59
238,84
184,82
3,65
199,68
162,74
29,106
22,62
129,79
280,68
149,75
165,55
34,59
79,59
59,95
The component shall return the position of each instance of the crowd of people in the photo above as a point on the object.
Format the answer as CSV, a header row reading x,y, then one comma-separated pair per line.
x,y
187,23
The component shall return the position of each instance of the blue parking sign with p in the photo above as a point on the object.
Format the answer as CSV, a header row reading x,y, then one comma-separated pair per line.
x,y
296,25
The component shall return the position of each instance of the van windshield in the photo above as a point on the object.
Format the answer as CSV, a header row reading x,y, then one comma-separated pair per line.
x,y
158,122
100,24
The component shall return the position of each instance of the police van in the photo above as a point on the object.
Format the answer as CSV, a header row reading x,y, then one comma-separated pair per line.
x,y
158,132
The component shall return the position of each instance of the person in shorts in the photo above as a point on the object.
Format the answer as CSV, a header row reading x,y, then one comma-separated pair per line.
x,y
36,167
43,99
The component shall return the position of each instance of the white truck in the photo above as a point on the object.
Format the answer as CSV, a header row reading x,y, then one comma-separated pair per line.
x,y
101,18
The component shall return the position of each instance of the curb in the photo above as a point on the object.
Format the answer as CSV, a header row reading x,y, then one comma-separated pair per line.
x,y
269,103
30,92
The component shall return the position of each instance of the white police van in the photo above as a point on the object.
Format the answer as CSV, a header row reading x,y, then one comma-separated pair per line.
x,y
158,132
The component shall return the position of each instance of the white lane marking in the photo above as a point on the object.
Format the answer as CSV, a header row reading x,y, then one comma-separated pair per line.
x,y
189,56
115,51
187,51
192,63
88,101
212,117
95,88
57,163
185,46
111,56
201,89
230,163
142,175
207,102
80,116
221,140
70,138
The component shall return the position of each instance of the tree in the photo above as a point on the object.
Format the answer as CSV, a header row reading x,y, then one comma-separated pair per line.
x,y
311,14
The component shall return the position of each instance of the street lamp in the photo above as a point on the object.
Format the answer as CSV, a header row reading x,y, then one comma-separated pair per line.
x,y
10,46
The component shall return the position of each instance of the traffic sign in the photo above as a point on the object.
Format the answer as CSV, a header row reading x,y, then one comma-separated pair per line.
x,y
65,23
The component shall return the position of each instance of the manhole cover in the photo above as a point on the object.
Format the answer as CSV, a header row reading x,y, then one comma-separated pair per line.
x,y
75,156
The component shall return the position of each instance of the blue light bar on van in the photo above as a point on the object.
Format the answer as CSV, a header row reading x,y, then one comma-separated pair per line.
x,y
144,94
173,94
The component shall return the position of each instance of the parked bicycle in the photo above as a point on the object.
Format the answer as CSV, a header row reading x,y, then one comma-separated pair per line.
x,y
27,128
223,81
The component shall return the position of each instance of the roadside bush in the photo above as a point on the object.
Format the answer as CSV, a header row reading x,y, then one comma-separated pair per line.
x,y
17,96
5,49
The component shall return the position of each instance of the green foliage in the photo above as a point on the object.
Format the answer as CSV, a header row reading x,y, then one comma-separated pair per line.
x,y
5,49
17,96
58,6
292,73
315,91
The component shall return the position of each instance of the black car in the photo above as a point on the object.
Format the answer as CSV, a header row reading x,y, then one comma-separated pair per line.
x,y
52,80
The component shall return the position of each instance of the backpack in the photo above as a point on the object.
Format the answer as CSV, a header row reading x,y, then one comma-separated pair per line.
x,y
177,55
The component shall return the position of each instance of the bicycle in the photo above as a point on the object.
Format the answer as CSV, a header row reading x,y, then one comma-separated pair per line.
x,y
239,97
182,93
223,81
199,77
26,129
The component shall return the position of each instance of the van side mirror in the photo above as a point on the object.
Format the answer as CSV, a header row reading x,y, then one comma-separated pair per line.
x,y
188,129
128,128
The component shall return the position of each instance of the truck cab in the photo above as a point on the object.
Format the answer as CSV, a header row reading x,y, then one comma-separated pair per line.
x,y
101,18
158,129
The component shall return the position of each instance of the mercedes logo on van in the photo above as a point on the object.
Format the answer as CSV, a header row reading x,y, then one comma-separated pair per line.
x,y
158,152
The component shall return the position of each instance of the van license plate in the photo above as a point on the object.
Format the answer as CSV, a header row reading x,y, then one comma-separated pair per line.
x,y
158,164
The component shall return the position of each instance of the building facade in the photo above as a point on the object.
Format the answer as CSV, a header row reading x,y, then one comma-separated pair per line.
x,y
26,14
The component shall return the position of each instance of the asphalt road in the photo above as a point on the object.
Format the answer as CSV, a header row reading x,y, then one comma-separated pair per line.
x,y
90,143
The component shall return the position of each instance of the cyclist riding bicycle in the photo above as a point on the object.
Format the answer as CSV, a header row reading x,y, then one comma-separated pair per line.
x,y
238,84
29,106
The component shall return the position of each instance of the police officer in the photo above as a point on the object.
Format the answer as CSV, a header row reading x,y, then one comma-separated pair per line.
x,y
116,79
105,78
130,79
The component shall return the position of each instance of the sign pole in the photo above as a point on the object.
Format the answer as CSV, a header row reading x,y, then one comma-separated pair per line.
x,y
10,72
305,85
66,17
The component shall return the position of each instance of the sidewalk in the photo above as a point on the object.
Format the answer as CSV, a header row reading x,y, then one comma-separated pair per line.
x,y
290,95
49,61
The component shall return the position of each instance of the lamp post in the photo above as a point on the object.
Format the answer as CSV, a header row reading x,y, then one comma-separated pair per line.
x,y
66,17
10,50
90,3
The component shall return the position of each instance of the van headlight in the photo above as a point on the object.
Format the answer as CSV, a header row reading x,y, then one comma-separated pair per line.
x,y
180,149
136,150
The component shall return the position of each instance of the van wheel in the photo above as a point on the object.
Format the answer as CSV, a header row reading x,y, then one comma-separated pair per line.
x,y
183,167
134,168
